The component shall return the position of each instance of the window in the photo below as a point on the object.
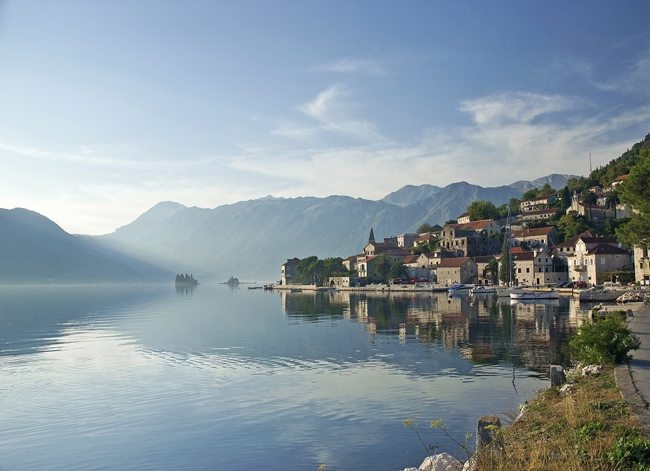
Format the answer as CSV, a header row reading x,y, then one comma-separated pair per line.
x,y
602,260
527,270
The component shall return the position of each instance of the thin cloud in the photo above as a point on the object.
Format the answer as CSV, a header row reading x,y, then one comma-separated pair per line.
x,y
515,107
635,80
348,65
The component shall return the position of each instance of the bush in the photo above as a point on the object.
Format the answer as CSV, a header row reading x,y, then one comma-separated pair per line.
x,y
606,341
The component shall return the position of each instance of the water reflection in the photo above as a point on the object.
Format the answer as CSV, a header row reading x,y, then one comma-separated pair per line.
x,y
485,330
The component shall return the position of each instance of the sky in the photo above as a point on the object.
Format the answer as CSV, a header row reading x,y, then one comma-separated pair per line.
x,y
108,108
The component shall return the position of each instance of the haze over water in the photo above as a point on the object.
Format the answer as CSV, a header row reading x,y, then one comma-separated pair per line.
x,y
151,377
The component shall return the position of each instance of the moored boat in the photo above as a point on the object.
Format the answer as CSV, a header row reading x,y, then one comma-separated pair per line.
x,y
478,290
459,289
532,295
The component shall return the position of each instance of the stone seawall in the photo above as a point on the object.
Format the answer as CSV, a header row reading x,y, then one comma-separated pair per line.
x,y
599,294
418,288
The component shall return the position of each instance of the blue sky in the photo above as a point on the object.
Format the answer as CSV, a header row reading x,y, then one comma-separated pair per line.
x,y
107,108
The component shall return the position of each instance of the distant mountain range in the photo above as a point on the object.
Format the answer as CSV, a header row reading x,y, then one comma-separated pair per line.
x,y
249,239
33,249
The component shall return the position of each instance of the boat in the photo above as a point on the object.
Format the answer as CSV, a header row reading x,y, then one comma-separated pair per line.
x,y
459,289
534,295
478,290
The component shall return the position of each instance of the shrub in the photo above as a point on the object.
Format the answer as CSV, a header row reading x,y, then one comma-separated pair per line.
x,y
606,341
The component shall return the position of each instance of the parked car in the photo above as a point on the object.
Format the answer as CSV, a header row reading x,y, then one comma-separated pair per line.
x,y
400,281
419,280
580,284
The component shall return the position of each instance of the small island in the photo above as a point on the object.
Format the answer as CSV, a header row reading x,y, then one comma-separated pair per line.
x,y
186,280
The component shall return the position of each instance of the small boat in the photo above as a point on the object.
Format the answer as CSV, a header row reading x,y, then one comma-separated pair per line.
x,y
478,290
459,289
533,295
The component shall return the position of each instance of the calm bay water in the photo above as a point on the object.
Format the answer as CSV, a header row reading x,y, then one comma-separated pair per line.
x,y
156,378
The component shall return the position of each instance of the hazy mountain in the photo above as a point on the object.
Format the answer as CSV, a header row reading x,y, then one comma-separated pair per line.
x,y
555,180
251,239
36,250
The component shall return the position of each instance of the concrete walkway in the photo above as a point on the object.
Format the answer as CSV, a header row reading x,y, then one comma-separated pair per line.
x,y
634,379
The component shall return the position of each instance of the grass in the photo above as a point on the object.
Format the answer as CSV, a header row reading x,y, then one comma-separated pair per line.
x,y
591,428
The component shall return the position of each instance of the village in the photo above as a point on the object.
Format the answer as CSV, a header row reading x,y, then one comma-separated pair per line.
x,y
467,251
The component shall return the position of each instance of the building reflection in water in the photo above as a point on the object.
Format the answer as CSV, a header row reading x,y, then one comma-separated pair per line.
x,y
486,330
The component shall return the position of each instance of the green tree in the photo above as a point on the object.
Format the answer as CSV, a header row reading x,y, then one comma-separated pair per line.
x,y
570,225
492,267
398,269
565,198
606,341
426,227
480,209
531,194
589,198
382,267
635,191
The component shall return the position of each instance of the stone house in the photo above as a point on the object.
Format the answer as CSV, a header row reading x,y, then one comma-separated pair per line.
x,y
538,215
536,267
542,202
537,237
463,219
452,271
591,259
642,266
472,239
406,240
289,270
483,275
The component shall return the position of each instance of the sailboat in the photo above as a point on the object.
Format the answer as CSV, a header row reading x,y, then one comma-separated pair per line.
x,y
506,291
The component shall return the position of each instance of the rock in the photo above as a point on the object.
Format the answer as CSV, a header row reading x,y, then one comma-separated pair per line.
x,y
410,469
591,370
441,462
557,375
566,390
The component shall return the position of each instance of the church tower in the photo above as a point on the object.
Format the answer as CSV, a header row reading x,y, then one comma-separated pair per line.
x,y
371,239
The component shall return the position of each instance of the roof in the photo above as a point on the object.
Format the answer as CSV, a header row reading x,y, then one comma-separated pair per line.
x,y
573,240
533,232
464,215
541,211
453,262
473,225
411,259
425,237
292,261
605,249
621,178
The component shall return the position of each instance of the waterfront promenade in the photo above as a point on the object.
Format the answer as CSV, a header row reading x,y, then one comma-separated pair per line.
x,y
634,379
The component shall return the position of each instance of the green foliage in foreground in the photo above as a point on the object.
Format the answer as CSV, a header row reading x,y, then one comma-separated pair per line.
x,y
606,341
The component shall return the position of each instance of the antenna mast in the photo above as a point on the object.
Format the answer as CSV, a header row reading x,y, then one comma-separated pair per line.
x,y
590,163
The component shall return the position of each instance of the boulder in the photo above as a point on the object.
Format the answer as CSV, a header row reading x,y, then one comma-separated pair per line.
x,y
591,370
441,462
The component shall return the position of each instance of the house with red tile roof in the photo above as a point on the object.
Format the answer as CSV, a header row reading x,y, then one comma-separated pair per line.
x,y
455,270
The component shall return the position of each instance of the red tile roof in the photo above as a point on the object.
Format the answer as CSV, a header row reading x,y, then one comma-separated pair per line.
x,y
453,262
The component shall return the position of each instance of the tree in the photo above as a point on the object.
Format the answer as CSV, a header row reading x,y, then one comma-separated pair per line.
x,y
426,227
479,210
382,267
612,201
589,198
565,198
530,194
635,191
492,268
398,269
570,225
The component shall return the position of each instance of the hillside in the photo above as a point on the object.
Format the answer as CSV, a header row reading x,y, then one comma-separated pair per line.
x,y
36,250
251,239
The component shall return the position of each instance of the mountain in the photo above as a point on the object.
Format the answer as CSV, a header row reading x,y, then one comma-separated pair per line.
x,y
251,239
555,180
36,250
